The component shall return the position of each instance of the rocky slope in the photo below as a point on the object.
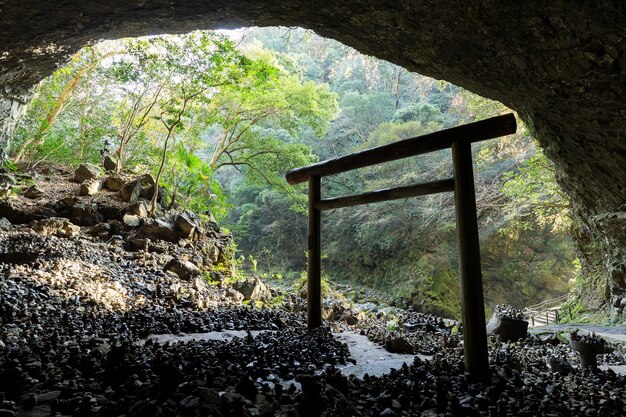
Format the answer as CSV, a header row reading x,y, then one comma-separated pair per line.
x,y
77,301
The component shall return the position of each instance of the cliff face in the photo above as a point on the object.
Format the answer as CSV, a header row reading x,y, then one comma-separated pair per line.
x,y
561,67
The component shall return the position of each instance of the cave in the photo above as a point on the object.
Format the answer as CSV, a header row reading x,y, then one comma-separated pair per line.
x,y
562,68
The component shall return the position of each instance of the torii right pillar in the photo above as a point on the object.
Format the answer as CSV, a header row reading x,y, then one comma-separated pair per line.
x,y
472,302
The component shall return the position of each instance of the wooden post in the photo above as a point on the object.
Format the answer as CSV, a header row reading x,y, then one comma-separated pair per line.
x,y
557,316
570,313
314,276
532,319
472,303
547,318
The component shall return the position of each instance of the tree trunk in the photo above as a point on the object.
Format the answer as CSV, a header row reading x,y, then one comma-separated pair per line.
x,y
60,102
155,195
52,115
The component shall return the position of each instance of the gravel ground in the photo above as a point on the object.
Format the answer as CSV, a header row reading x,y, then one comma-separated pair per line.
x,y
75,312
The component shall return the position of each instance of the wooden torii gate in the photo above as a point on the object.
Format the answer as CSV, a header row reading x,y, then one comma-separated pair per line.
x,y
459,140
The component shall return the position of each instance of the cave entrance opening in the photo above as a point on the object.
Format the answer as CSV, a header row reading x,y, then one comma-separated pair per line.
x,y
458,140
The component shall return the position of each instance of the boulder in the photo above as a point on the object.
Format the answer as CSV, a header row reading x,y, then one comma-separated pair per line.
x,y
187,223
351,318
5,224
33,192
147,186
184,269
114,183
136,189
87,172
67,202
210,250
48,396
85,215
117,227
131,191
90,187
399,344
253,289
17,214
131,220
328,314
55,226
109,164
101,230
138,209
510,329
137,243
234,295
110,212
158,229
147,180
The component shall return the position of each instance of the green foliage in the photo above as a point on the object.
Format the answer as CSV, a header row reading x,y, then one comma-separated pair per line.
x,y
260,211
191,184
479,107
327,291
405,248
423,113
184,107
535,197
227,120
10,166
261,126
61,111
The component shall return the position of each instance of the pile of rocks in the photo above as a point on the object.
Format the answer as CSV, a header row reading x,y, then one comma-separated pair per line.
x,y
507,323
439,387
71,316
588,347
509,312
589,339
410,332
108,276
120,217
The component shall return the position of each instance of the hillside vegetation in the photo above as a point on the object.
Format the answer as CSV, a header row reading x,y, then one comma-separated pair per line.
x,y
218,123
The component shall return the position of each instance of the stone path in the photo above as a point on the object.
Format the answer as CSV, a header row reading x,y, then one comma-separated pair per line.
x,y
371,358
614,333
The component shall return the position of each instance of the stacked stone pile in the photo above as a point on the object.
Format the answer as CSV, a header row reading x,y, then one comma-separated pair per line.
x,y
410,332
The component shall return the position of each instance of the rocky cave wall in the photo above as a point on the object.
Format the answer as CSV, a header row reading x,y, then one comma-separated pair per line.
x,y
562,67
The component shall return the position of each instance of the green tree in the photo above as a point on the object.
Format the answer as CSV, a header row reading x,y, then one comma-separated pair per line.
x,y
260,124
187,72
55,93
535,197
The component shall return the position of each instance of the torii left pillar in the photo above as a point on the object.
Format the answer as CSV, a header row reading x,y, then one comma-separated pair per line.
x,y
314,276
473,305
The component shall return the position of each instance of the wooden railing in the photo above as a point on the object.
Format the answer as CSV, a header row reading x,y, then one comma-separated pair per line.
x,y
547,312
459,140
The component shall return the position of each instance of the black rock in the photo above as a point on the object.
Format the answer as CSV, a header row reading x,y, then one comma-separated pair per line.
x,y
109,164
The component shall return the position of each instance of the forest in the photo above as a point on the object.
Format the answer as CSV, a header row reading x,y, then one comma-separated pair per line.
x,y
219,117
